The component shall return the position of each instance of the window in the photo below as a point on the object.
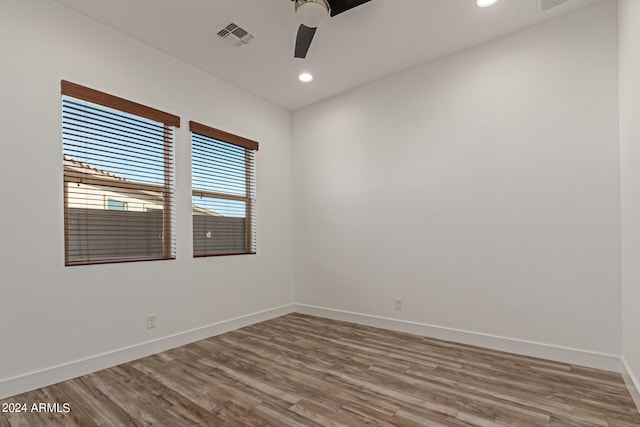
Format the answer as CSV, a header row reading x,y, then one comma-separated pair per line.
x,y
118,178
223,192
116,205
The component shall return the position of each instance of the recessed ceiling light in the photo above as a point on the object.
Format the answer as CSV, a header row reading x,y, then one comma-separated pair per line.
x,y
305,77
485,3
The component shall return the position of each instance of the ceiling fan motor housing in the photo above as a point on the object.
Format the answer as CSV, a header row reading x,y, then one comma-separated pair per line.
x,y
312,12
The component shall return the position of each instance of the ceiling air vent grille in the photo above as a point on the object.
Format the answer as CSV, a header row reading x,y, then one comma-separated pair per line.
x,y
544,5
235,35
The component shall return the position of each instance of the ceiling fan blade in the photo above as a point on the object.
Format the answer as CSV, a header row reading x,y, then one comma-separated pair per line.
x,y
303,40
339,6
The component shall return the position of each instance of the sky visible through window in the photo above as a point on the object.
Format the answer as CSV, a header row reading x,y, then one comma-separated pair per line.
x,y
218,167
132,148
122,144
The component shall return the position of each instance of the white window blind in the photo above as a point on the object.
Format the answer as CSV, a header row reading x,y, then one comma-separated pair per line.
x,y
223,192
118,178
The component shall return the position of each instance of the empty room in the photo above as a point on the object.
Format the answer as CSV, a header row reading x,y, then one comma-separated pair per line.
x,y
320,212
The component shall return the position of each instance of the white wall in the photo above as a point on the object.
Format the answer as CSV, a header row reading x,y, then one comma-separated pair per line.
x,y
629,71
53,315
481,188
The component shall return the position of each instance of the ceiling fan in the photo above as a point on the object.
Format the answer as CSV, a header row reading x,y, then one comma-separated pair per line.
x,y
312,13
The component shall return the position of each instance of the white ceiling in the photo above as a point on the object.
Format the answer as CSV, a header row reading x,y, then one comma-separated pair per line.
x,y
369,42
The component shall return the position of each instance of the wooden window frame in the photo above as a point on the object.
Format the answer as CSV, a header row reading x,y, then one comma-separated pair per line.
x,y
249,146
93,96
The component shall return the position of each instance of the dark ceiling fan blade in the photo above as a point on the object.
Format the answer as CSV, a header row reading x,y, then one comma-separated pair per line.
x,y
339,6
303,40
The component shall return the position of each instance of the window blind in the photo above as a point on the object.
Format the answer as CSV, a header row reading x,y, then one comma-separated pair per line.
x,y
223,192
118,178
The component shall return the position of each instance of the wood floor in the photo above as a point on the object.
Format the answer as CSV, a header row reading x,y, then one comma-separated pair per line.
x,y
299,370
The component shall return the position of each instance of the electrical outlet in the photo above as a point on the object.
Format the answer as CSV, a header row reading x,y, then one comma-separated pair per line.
x,y
152,321
397,303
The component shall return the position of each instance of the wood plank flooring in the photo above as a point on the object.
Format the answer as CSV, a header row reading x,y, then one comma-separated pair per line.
x,y
300,370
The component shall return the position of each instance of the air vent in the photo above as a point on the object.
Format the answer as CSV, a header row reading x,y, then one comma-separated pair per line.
x,y
235,35
544,5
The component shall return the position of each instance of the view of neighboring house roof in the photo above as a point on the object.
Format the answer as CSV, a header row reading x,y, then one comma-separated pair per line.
x,y
87,173
80,170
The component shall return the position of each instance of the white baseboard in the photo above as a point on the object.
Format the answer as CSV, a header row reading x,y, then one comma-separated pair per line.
x,y
573,356
632,382
52,375
55,374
